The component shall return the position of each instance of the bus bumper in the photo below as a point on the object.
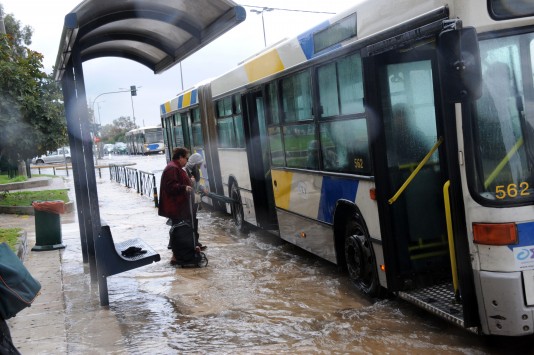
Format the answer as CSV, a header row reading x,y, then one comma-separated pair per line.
x,y
503,309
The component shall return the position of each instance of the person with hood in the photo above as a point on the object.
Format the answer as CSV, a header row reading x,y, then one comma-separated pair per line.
x,y
192,168
175,190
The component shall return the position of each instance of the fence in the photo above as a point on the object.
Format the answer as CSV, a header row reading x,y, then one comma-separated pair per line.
x,y
56,167
143,182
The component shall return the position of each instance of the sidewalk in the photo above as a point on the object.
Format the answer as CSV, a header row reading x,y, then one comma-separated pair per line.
x,y
66,318
40,328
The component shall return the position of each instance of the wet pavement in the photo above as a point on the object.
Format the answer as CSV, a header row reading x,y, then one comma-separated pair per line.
x,y
258,295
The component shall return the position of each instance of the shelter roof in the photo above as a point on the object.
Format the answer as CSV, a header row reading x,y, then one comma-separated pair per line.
x,y
155,33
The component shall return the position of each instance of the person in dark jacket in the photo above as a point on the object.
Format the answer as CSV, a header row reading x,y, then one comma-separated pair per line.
x,y
6,343
175,190
193,171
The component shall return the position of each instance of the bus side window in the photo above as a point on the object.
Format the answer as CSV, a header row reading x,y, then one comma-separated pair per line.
x,y
344,142
345,146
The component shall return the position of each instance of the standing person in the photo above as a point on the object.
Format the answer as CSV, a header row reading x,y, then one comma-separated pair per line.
x,y
175,190
193,171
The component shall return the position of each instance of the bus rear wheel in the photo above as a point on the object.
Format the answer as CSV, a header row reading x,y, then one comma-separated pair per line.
x,y
361,264
237,209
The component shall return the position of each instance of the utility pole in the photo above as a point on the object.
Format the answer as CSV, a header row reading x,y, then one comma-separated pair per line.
x,y
260,12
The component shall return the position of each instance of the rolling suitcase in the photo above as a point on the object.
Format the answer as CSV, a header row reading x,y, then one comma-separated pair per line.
x,y
183,244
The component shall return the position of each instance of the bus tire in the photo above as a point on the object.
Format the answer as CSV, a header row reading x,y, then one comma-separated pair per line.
x,y
237,209
360,260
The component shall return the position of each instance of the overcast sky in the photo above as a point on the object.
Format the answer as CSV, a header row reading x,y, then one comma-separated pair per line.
x,y
111,74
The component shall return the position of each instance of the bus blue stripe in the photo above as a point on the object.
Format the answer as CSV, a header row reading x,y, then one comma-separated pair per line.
x,y
180,101
333,189
525,235
194,96
306,39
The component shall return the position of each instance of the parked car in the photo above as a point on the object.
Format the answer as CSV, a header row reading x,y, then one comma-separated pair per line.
x,y
120,148
61,155
108,148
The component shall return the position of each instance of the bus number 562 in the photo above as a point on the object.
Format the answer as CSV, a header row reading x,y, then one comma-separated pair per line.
x,y
511,190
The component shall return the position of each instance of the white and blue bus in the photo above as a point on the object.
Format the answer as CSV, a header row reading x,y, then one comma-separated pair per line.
x,y
394,141
145,140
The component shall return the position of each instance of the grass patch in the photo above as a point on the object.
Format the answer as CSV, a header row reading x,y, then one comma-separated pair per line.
x,y
25,198
4,179
9,236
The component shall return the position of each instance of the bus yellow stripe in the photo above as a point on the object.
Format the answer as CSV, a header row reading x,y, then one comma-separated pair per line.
x,y
167,107
282,188
187,99
265,65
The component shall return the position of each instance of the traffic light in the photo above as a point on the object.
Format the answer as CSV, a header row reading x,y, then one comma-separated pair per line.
x,y
133,90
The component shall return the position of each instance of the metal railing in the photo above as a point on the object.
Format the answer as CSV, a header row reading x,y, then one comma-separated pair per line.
x,y
143,182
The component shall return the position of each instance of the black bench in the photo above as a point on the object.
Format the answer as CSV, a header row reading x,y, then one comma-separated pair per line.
x,y
110,261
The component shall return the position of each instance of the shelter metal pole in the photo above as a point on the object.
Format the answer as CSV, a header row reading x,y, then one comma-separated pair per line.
x,y
88,185
69,95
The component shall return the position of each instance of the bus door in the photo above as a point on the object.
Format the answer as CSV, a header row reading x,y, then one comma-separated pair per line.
x,y
258,154
413,170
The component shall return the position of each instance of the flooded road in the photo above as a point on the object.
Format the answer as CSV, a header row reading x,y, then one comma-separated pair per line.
x,y
258,295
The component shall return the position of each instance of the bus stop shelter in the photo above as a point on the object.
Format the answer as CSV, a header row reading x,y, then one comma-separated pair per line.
x,y
155,33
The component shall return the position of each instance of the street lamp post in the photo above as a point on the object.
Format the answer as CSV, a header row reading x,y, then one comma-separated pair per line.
x,y
102,94
99,119
107,93
260,12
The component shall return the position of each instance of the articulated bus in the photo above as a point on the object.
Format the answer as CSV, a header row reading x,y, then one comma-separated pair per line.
x,y
145,140
394,141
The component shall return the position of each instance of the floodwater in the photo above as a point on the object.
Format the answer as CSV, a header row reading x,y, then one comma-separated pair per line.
x,y
258,295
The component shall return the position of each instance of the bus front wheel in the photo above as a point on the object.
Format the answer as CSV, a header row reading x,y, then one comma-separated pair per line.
x,y
361,264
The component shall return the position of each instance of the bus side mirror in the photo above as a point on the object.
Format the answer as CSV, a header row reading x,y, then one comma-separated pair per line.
x,y
459,65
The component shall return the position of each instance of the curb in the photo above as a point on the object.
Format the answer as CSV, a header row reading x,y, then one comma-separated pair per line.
x,y
35,182
29,210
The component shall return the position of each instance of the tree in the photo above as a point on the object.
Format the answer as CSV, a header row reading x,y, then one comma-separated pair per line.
x,y
20,36
115,132
32,119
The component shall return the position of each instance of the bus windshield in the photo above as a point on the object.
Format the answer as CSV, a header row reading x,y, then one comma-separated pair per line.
x,y
503,122
153,136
